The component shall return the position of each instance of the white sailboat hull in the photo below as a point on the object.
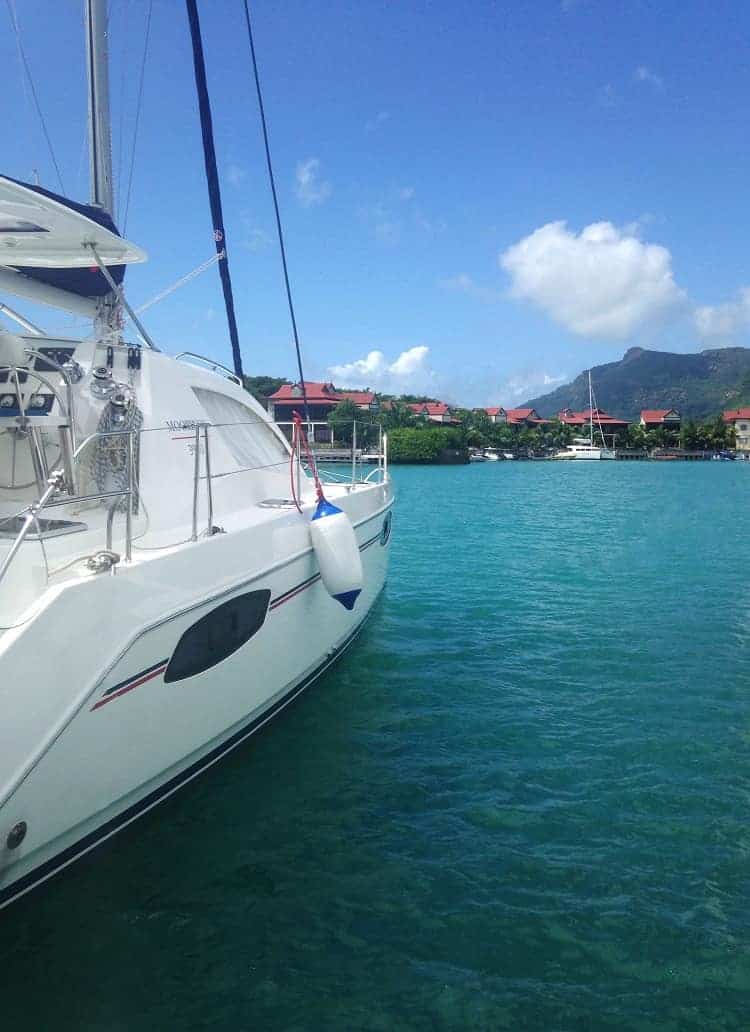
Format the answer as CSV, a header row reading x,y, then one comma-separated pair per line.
x,y
95,735
585,452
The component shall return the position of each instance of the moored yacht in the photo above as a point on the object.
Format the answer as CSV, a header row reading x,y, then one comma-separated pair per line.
x,y
585,448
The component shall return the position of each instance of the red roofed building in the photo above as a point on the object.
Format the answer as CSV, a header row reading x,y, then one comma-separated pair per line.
x,y
322,399
497,414
740,419
434,411
524,417
654,418
582,419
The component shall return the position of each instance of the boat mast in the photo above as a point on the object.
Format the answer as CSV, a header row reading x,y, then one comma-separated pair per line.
x,y
100,129
591,413
108,319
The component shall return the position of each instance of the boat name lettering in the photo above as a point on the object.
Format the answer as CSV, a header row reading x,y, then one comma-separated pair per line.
x,y
182,424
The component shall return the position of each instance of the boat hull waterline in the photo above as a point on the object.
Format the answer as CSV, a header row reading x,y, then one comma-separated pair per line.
x,y
138,733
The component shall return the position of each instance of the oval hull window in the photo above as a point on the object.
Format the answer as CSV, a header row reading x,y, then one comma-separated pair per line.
x,y
217,635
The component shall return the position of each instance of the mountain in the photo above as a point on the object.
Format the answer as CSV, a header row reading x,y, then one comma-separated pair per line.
x,y
698,385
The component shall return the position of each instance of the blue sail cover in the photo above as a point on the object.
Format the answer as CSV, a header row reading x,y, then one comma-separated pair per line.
x,y
83,282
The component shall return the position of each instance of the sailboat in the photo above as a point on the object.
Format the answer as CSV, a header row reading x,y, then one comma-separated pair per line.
x,y
171,574
585,448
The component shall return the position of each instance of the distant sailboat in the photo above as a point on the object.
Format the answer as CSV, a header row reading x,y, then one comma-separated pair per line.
x,y
586,449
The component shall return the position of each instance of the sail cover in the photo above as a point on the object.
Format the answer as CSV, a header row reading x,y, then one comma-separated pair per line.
x,y
45,237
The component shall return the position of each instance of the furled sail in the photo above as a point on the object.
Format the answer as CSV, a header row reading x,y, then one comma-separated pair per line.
x,y
46,238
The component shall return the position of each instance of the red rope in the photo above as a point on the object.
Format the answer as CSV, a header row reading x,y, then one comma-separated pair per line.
x,y
299,435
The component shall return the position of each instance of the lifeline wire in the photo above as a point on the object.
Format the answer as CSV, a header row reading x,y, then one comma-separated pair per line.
x,y
276,210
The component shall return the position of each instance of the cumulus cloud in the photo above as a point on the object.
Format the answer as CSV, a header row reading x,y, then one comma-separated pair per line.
x,y
723,322
309,187
464,284
408,370
644,74
602,283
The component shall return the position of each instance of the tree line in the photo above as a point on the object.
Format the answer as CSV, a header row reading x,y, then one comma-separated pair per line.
x,y
475,429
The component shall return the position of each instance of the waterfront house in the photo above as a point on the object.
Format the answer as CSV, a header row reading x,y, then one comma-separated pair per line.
x,y
434,412
322,399
740,420
652,419
496,414
524,417
609,424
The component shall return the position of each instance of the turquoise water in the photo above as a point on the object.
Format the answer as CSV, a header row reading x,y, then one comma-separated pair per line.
x,y
521,801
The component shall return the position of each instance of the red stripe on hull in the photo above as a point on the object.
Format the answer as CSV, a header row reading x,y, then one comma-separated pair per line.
x,y
129,687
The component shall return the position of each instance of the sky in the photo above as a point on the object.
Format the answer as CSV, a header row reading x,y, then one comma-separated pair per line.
x,y
479,199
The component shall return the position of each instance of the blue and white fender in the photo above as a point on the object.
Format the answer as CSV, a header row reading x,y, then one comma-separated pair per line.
x,y
335,545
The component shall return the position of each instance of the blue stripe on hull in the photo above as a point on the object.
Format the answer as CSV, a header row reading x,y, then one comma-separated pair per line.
x,y
88,842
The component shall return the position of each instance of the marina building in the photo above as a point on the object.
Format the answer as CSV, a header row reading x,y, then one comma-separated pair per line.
x,y
740,419
652,419
524,416
322,399
597,416
434,411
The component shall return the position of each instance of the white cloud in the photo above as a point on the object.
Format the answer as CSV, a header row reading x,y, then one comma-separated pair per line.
x,y
644,74
523,386
723,322
235,174
254,238
377,122
310,188
464,284
601,283
408,371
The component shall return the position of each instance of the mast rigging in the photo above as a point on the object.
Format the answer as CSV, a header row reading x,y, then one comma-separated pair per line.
x,y
212,179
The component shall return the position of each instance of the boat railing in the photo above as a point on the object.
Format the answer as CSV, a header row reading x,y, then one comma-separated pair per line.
x,y
56,493
16,375
211,363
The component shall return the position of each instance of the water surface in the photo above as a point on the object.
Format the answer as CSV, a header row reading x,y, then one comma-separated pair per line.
x,y
521,801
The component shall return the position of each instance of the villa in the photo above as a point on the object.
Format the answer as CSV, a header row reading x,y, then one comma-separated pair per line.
x,y
652,419
598,416
322,399
740,419
434,412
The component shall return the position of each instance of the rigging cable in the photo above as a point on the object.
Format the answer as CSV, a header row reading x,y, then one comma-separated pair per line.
x,y
276,210
25,63
212,178
137,114
125,36
180,282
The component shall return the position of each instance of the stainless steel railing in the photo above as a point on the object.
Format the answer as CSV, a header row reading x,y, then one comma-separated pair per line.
x,y
58,480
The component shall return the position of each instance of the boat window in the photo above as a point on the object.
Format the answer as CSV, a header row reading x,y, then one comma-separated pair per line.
x,y
218,634
250,440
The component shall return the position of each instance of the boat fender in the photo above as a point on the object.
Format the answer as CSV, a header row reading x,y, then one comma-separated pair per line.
x,y
335,545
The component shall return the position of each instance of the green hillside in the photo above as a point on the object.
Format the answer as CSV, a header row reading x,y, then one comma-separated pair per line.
x,y
698,385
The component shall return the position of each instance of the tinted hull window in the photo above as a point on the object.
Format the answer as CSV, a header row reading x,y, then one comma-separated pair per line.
x,y
218,634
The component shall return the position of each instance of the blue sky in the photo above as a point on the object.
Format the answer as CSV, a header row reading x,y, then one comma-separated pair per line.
x,y
479,199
